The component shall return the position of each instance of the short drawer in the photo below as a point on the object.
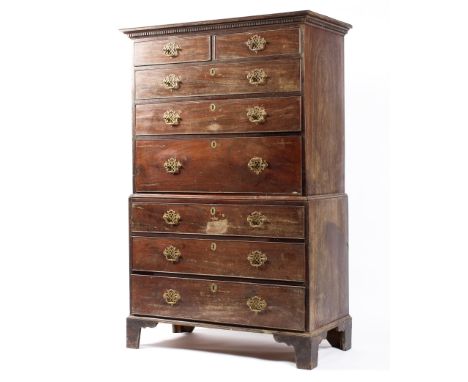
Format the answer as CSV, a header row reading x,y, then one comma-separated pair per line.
x,y
218,78
257,43
241,303
257,220
245,115
253,259
172,49
248,165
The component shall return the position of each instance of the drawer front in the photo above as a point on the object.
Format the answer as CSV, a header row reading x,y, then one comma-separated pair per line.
x,y
257,44
246,115
172,49
218,78
219,219
253,165
254,259
257,305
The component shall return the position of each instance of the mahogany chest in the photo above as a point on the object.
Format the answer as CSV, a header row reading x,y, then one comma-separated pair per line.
x,y
239,214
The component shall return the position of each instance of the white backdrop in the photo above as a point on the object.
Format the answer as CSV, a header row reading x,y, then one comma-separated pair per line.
x,y
65,161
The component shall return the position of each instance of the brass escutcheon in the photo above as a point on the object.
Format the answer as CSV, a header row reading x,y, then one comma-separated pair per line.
x,y
172,254
257,77
171,82
171,217
256,304
172,166
256,114
213,144
257,165
256,219
171,296
171,117
256,43
213,246
212,107
257,258
213,288
212,71
213,211
171,49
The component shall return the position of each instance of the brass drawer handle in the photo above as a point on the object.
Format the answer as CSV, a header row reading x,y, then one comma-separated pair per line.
x,y
171,296
171,217
172,166
256,43
257,258
256,219
256,304
257,77
171,49
171,117
172,82
172,254
257,165
256,114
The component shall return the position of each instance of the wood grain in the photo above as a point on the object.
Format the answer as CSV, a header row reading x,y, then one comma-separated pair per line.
x,y
285,304
285,261
323,111
229,219
193,48
229,78
328,260
279,42
203,167
228,116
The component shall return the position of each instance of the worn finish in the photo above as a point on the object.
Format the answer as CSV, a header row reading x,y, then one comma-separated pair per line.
x,y
324,111
239,220
217,116
218,78
285,261
207,159
191,48
277,42
228,219
134,326
228,304
328,260
305,348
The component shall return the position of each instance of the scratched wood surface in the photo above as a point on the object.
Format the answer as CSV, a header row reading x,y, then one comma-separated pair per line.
x,y
217,116
229,219
228,304
192,48
228,78
278,41
284,261
219,164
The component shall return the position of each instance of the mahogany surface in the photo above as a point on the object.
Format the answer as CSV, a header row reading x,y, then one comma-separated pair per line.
x,y
213,243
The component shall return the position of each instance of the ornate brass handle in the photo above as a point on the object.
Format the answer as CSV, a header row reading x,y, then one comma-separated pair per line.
x,y
171,117
172,166
256,219
257,258
257,77
172,254
256,114
257,165
171,217
256,304
256,43
171,49
172,82
171,296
